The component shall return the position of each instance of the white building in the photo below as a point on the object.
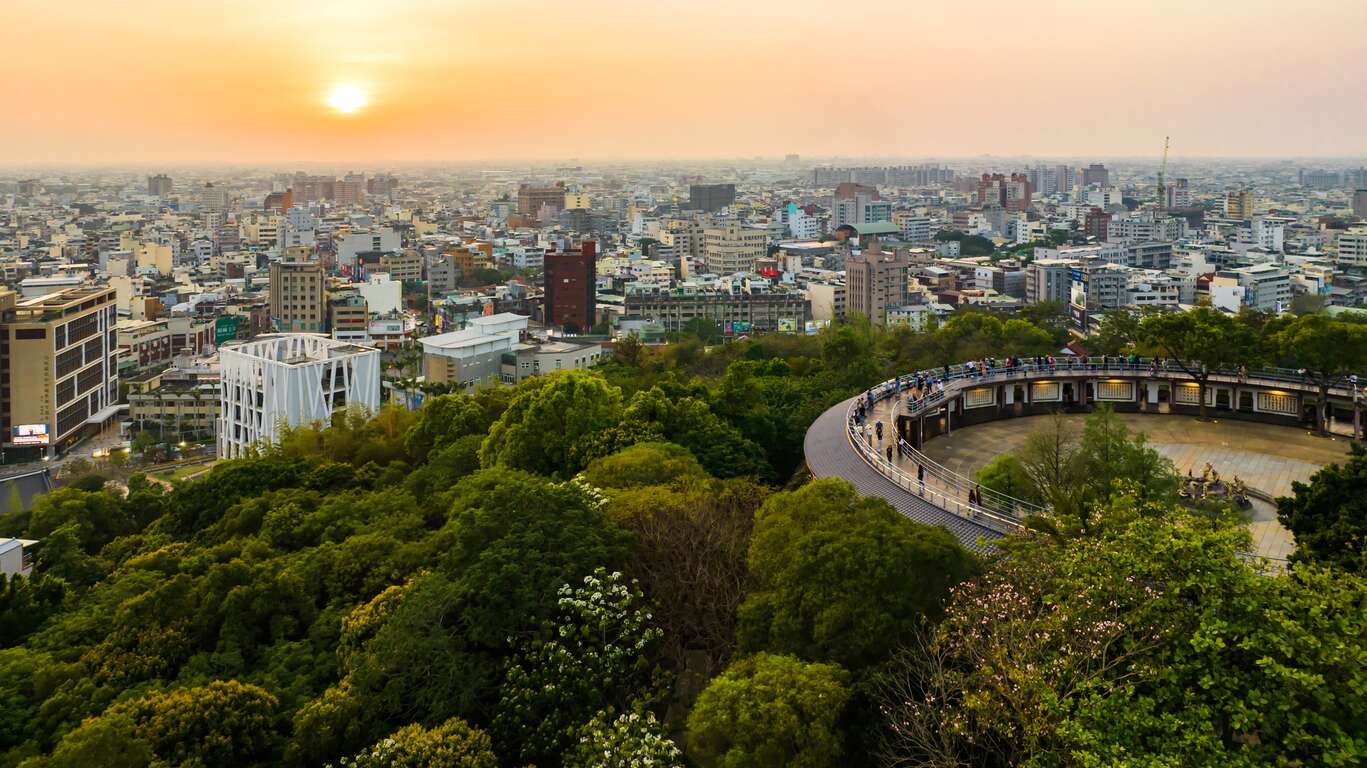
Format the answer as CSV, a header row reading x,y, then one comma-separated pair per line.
x,y
382,295
290,379
361,241
474,354
14,561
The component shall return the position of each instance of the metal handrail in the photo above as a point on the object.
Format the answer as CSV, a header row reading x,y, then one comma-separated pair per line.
x,y
959,377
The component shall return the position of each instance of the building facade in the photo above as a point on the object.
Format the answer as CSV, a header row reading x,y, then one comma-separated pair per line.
x,y
289,379
60,360
298,290
572,287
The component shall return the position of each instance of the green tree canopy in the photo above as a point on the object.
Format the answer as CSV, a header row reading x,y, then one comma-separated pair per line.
x,y
770,711
1328,515
551,422
1154,644
1199,341
843,578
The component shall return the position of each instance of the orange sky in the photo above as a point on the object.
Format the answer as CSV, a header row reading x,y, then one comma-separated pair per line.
x,y
178,81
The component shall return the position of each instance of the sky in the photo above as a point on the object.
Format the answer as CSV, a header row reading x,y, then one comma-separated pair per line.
x,y
248,81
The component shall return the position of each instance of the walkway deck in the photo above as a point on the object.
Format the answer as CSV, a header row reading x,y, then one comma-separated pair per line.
x,y
829,455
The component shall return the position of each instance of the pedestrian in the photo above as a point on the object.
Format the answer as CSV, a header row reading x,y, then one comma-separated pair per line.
x,y
889,454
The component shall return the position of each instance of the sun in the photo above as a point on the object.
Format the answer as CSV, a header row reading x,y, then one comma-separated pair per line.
x,y
346,98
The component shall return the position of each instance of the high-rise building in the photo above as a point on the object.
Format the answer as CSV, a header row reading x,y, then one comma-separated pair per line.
x,y
1097,224
875,281
1360,203
350,190
285,380
711,197
159,185
1097,174
311,189
856,204
1239,204
530,198
382,185
58,366
298,303
1011,193
213,198
730,247
572,287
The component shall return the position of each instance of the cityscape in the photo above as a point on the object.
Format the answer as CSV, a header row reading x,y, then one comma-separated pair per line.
x,y
632,419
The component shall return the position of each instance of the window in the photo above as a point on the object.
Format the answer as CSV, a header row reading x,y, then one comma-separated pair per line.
x,y
30,333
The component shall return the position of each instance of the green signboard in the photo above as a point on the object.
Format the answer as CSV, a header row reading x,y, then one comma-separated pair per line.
x,y
225,328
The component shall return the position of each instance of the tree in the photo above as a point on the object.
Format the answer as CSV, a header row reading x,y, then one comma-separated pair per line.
x,y
632,740
98,516
1328,516
770,711
704,329
513,540
452,744
1327,349
597,658
819,553
551,422
643,464
1154,644
1005,474
1198,341
1116,332
1076,473
443,420
26,602
224,723
1307,303
689,544
104,741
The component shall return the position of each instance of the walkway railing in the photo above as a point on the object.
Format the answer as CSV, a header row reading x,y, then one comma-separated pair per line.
x,y
998,510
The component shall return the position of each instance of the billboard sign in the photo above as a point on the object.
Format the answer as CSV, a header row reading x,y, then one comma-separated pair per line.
x,y
30,434
225,329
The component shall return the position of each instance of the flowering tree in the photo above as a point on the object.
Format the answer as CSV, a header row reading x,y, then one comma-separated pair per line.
x,y
597,658
632,740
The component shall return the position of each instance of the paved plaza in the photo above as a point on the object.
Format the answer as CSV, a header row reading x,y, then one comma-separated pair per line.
x,y
1266,457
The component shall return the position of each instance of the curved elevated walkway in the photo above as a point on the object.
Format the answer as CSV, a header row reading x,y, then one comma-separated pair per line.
x,y
829,454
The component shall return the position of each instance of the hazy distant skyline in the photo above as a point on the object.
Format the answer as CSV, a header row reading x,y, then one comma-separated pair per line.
x,y
189,81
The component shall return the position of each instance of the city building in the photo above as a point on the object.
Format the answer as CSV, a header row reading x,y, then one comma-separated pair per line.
x,y
1096,174
526,360
853,203
572,287
875,280
1239,204
1360,203
159,185
1266,287
530,198
16,557
735,311
58,366
711,198
178,403
473,355
1009,193
297,291
280,380
1049,279
732,247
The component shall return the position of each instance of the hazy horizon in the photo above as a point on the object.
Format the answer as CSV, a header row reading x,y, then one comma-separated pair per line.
x,y
479,82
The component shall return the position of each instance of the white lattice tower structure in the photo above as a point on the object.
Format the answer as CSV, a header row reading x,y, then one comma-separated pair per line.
x,y
290,379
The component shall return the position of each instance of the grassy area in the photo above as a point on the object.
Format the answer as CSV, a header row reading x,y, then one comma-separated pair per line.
x,y
184,470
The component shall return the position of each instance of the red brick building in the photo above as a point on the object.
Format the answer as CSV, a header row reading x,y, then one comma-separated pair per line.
x,y
571,287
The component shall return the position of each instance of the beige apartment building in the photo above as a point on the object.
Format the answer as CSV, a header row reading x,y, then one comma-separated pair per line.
x,y
298,297
730,247
58,366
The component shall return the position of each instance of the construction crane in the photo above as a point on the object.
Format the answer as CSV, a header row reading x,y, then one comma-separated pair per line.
x,y
1162,172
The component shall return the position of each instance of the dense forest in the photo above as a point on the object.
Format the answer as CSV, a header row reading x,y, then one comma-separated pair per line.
x,y
629,567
